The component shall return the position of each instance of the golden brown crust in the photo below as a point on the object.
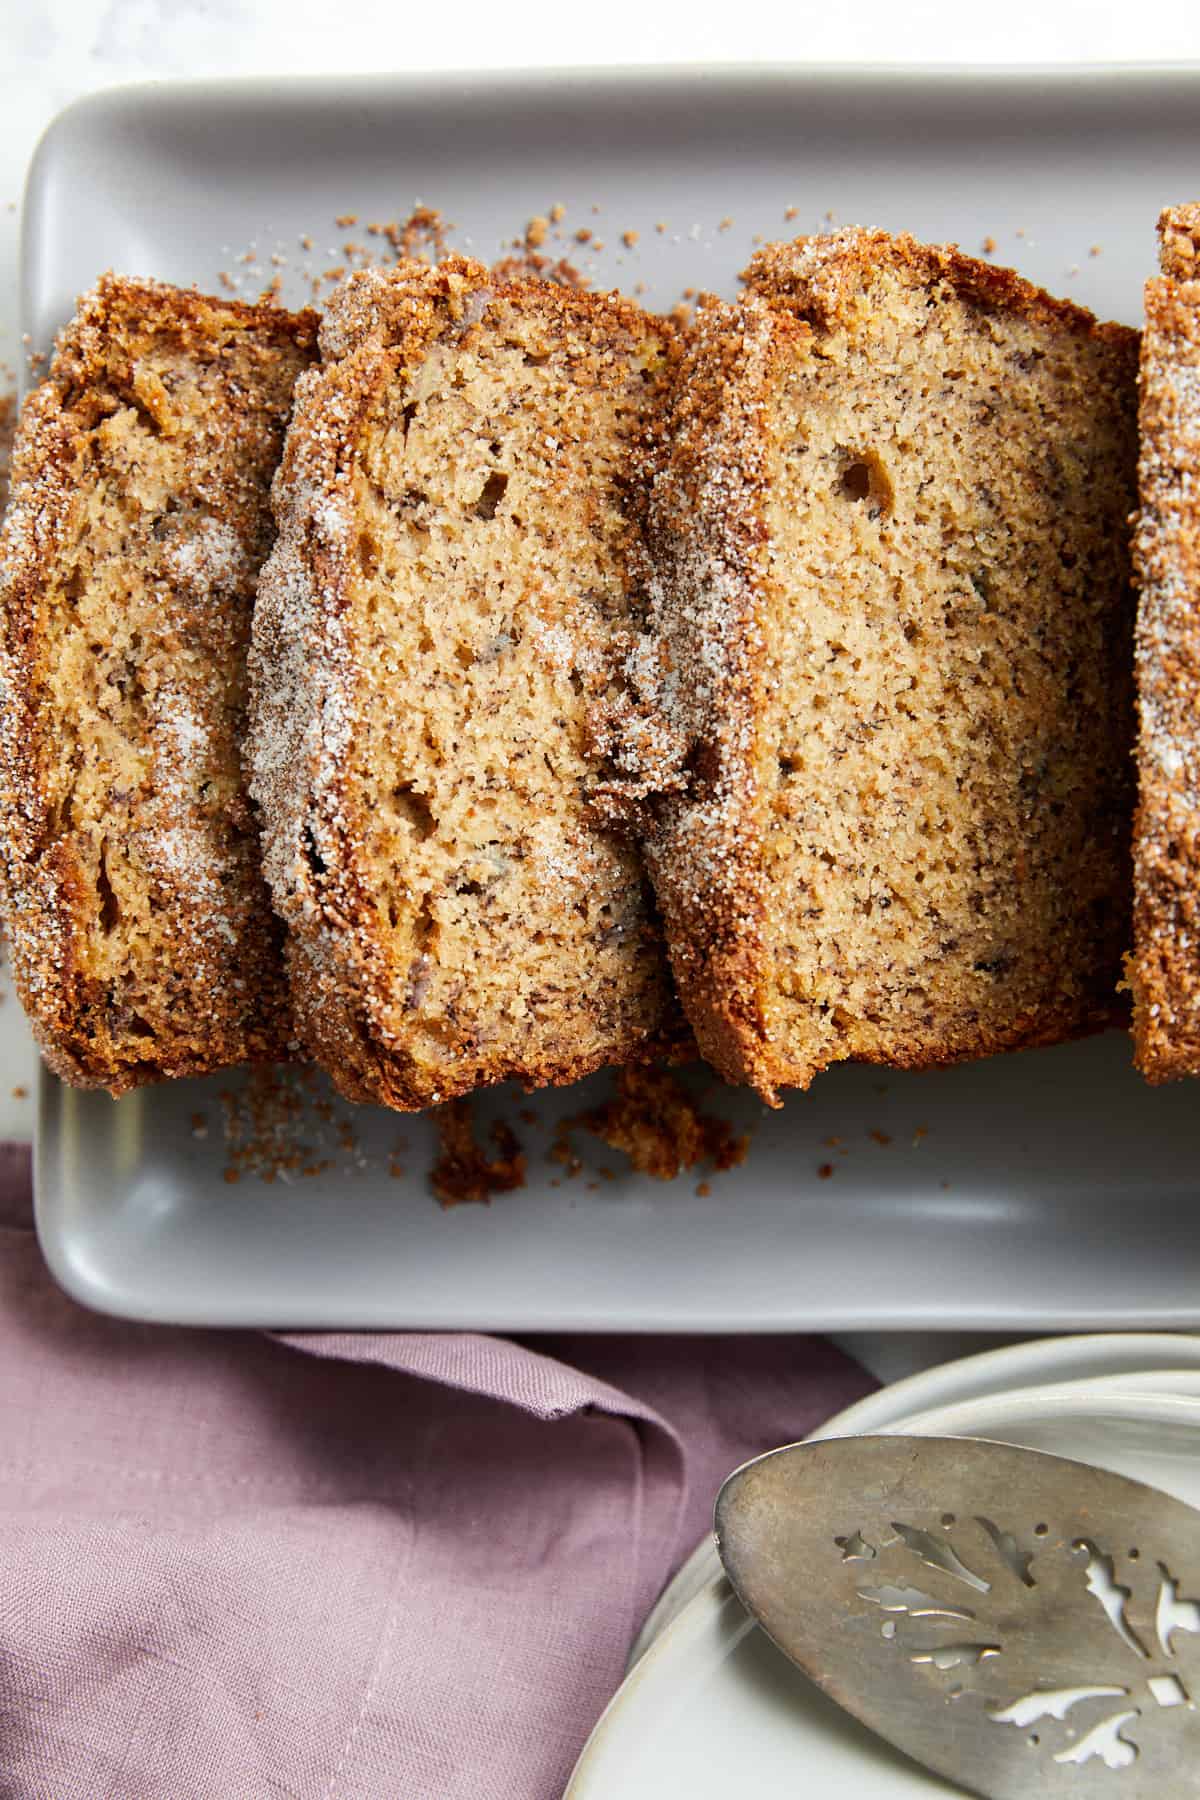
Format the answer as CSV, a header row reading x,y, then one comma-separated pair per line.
x,y
200,984
696,685
823,279
307,714
679,736
1164,969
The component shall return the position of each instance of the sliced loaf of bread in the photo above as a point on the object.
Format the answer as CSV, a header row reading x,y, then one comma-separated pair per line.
x,y
1165,966
884,689
456,541
141,933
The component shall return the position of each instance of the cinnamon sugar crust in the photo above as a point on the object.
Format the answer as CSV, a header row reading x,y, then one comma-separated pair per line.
x,y
455,540
142,939
879,722
1164,968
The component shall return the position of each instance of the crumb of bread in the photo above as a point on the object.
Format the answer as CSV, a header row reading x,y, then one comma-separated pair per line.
x,y
465,1172
657,1124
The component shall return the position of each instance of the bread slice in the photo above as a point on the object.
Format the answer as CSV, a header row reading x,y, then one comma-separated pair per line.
x,y
141,933
1164,968
886,683
455,540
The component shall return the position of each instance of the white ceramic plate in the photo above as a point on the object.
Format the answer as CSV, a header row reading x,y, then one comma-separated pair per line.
x,y
1033,1192
713,1708
1119,1357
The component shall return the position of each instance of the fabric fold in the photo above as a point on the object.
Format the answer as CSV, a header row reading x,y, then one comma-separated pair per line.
x,y
343,1566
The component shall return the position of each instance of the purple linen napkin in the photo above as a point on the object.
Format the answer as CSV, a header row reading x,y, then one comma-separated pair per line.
x,y
339,1566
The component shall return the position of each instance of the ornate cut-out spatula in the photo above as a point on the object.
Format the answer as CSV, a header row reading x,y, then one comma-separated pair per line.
x,y
1021,1624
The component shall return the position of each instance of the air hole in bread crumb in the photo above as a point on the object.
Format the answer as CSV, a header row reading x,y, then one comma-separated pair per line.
x,y
856,481
110,908
408,414
414,809
864,478
368,555
492,494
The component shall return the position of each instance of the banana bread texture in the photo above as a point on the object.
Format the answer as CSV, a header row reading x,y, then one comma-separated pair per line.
x,y
140,928
882,703
455,552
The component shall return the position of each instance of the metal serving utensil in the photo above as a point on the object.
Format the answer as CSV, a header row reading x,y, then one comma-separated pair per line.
x,y
1021,1624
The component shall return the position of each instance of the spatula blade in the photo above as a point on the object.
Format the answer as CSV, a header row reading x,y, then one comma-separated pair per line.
x,y
1017,1622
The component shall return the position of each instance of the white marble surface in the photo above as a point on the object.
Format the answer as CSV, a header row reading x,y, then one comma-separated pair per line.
x,y
52,52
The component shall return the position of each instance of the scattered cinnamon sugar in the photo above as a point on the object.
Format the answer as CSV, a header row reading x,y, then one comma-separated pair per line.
x,y
464,1172
529,266
536,232
656,1123
20,1093
726,224
583,235
345,219
880,1137
988,246
630,238
558,213
791,212
274,1128
420,237
825,1171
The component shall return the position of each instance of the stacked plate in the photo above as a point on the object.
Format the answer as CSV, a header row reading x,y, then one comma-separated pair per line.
x,y
710,1707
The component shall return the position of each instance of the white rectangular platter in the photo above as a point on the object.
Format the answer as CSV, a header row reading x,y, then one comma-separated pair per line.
x,y
1045,1190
